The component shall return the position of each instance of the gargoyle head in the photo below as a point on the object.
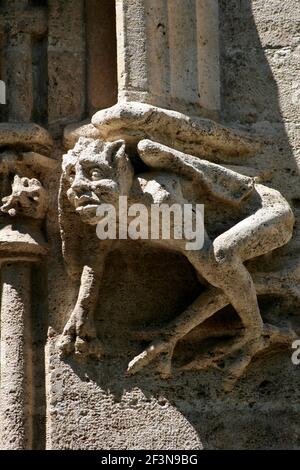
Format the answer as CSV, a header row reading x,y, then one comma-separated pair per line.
x,y
97,172
28,198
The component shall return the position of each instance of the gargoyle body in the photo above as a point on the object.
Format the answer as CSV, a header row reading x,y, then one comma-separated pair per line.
x,y
97,172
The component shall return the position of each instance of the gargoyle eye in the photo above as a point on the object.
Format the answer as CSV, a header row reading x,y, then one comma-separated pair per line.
x,y
95,174
71,175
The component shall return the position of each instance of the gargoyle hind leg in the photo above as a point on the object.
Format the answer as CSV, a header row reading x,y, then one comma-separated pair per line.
x,y
200,310
79,334
269,228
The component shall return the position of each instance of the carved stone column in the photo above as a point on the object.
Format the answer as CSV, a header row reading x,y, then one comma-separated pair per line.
x,y
168,54
22,243
16,384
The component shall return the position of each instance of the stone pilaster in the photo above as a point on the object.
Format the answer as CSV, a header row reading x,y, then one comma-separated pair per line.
x,y
16,383
168,54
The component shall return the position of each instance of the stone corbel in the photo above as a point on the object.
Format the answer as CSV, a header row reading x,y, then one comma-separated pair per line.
x,y
133,121
24,160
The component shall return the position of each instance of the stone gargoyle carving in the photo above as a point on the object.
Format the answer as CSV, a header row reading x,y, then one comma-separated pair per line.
x,y
258,220
28,198
20,162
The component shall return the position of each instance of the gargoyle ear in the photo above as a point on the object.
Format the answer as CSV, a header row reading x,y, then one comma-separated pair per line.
x,y
123,167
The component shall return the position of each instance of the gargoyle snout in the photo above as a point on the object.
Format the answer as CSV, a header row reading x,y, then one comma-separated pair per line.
x,y
77,190
79,186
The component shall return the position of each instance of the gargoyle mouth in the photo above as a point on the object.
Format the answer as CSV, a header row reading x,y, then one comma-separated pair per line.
x,y
85,202
87,207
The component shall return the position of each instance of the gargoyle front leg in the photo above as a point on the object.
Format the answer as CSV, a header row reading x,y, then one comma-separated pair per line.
x,y
204,307
79,334
200,310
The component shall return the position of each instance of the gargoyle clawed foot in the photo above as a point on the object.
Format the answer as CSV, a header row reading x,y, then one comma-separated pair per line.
x,y
270,335
163,348
252,346
79,337
159,347
242,348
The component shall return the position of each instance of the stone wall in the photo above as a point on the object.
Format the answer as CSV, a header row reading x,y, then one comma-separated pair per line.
x,y
94,404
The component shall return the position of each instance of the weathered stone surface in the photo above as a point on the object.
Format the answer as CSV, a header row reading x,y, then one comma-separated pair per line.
x,y
25,137
101,46
23,28
66,63
73,132
16,385
197,85
198,136
168,54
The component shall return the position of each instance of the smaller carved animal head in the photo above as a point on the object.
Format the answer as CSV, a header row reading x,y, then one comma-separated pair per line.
x,y
28,198
97,172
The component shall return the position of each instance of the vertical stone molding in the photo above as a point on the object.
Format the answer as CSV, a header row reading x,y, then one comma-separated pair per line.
x,y
16,365
168,54
23,27
208,52
66,63
101,56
